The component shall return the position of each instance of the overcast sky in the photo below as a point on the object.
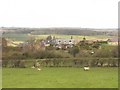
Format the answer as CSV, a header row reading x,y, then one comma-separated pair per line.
x,y
59,13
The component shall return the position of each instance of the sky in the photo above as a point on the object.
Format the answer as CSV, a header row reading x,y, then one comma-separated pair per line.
x,y
59,13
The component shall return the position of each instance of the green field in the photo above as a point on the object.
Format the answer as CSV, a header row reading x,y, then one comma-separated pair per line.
x,y
25,37
97,37
16,37
60,78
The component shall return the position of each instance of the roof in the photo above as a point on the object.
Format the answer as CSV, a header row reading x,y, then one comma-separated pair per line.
x,y
64,41
113,40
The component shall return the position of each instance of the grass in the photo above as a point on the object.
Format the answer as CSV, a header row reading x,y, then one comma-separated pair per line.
x,y
25,37
74,36
60,78
16,37
80,37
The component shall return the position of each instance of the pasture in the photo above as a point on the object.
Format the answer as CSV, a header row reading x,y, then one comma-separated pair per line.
x,y
16,37
25,37
97,37
60,77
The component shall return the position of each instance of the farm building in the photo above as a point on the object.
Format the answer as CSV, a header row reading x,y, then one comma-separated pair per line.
x,y
86,42
113,41
64,41
60,43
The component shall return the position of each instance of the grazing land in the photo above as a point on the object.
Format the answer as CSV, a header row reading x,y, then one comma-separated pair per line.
x,y
99,37
25,37
60,77
16,37
62,53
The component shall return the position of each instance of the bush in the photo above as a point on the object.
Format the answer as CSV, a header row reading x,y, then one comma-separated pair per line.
x,y
83,53
22,64
74,50
105,51
5,63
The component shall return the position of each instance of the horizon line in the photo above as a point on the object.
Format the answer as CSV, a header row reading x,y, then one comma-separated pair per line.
x,y
56,27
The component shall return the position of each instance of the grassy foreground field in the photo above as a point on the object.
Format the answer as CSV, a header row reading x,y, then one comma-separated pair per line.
x,y
60,78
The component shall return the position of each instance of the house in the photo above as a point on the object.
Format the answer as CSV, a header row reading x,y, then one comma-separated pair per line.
x,y
86,42
113,41
60,43
64,43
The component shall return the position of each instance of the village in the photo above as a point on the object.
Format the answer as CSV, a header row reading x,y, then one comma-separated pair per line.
x,y
66,43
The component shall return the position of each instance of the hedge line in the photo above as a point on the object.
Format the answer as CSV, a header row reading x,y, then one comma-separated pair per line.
x,y
63,62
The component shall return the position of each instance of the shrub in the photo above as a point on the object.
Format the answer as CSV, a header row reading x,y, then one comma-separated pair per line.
x,y
74,50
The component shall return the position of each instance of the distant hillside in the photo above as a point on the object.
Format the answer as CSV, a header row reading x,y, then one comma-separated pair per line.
x,y
63,31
